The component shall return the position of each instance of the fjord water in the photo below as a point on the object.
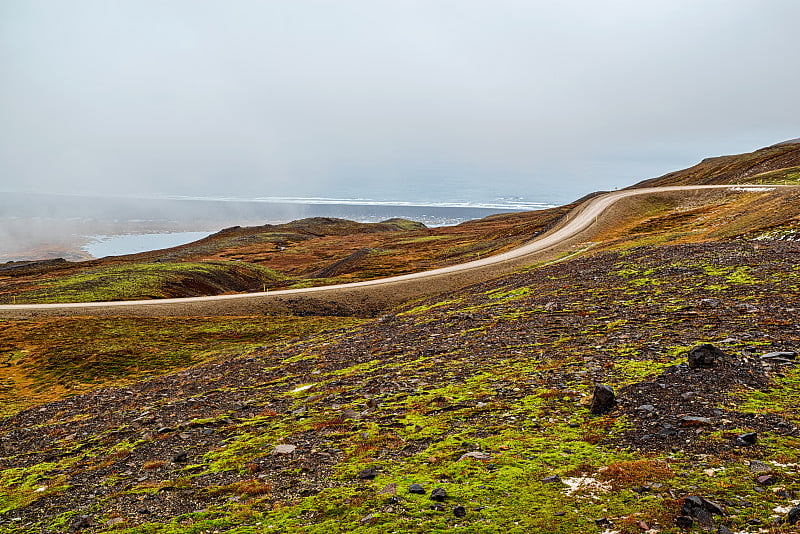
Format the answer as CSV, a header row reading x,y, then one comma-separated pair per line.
x,y
111,226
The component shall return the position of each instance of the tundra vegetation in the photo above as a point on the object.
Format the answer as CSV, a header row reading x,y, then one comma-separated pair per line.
x,y
464,412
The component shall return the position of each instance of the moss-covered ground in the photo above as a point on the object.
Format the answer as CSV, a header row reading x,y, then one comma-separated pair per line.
x,y
482,392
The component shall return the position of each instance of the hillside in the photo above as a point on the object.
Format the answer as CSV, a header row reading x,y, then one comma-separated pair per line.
x,y
470,411
775,164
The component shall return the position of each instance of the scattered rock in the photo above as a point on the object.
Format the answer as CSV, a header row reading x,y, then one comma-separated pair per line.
x,y
648,408
284,449
793,516
704,356
367,474
785,355
477,455
83,521
684,521
746,440
438,494
693,421
416,488
389,489
757,466
437,507
603,400
765,480
114,521
369,519
459,511
603,522
552,479
701,510
724,530
181,456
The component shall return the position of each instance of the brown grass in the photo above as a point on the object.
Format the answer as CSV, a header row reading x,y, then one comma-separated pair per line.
x,y
637,472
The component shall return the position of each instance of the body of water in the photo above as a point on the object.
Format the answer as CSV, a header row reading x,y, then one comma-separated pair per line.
x,y
101,246
46,226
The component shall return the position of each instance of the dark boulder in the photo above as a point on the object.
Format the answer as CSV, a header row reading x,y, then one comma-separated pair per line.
x,y
704,356
701,510
367,474
746,440
439,494
603,400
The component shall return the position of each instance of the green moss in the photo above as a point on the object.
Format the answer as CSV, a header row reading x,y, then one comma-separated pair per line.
x,y
142,281
21,486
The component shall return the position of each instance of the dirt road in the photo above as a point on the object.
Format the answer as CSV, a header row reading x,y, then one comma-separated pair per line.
x,y
373,296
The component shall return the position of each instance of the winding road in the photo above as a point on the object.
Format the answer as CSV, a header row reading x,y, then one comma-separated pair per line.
x,y
373,296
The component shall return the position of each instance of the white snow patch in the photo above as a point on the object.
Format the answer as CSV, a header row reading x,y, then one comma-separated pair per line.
x,y
785,509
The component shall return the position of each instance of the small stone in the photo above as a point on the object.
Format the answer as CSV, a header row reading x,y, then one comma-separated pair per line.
x,y
82,521
684,521
794,515
477,455
349,413
416,488
367,474
757,466
603,400
649,408
693,421
284,449
114,521
782,493
389,489
459,511
164,430
182,456
724,530
700,509
559,514
746,440
765,480
437,507
552,479
369,519
603,522
704,356
787,355
438,494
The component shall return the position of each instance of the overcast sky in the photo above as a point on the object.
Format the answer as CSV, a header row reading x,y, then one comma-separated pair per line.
x,y
386,99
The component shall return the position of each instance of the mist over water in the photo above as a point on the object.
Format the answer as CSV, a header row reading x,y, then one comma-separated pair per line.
x,y
423,102
41,226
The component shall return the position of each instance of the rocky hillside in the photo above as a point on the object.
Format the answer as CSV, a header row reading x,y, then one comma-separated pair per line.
x,y
466,413
649,386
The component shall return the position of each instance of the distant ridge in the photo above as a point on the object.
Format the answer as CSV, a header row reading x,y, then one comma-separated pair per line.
x,y
794,141
733,169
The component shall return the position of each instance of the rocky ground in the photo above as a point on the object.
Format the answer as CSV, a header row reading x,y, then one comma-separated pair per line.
x,y
469,412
